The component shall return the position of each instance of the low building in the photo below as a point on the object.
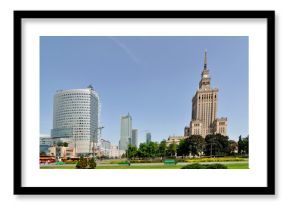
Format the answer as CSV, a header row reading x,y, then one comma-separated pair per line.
x,y
45,141
105,147
174,139
69,140
44,144
114,152
61,152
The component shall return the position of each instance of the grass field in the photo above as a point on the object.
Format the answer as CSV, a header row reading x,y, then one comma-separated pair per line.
x,y
72,166
238,166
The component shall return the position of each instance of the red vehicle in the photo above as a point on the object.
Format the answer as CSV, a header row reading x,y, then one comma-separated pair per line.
x,y
46,159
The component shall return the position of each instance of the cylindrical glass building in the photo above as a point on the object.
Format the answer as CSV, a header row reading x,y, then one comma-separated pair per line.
x,y
76,117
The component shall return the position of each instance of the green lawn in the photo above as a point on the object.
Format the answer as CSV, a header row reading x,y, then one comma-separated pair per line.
x,y
58,167
230,166
141,167
238,166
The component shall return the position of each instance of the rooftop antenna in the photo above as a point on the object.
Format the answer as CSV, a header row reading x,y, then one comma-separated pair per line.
x,y
205,60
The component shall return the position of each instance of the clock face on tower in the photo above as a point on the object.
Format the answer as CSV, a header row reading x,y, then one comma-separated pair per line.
x,y
205,75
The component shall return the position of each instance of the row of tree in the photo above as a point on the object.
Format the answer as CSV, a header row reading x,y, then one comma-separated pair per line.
x,y
243,145
195,145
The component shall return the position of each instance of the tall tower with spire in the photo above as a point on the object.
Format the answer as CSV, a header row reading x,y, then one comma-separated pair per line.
x,y
204,108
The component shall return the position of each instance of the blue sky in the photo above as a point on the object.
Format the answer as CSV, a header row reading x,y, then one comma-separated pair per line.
x,y
153,78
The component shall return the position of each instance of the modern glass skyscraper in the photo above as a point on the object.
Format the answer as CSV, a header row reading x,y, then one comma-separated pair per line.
x,y
126,131
135,137
148,137
76,116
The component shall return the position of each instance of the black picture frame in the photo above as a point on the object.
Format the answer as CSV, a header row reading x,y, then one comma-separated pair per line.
x,y
21,190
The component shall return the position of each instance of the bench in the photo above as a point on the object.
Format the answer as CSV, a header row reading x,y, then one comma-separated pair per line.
x,y
170,161
125,163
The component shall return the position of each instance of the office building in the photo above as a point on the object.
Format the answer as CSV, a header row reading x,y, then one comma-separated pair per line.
x,y
135,137
126,131
76,118
148,137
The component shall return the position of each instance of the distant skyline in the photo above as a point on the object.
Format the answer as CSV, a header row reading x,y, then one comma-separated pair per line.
x,y
153,78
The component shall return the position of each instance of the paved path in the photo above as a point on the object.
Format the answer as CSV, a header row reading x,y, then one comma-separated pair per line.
x,y
153,164
180,163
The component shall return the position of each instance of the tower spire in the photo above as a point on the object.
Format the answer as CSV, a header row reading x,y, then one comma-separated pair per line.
x,y
205,60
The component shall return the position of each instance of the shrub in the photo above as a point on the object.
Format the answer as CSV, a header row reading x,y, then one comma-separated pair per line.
x,y
204,166
194,166
82,163
78,165
92,163
216,166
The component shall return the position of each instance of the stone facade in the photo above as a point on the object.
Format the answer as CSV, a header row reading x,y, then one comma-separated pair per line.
x,y
220,126
204,108
174,139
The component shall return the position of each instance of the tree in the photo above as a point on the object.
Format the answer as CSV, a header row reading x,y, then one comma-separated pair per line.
x,y
142,151
82,163
172,148
240,145
243,145
42,153
233,147
224,144
123,156
195,144
59,143
216,144
92,163
162,148
65,144
183,148
246,145
131,151
152,149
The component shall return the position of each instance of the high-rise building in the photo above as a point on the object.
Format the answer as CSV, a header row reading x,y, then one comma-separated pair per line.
x,y
204,108
135,137
126,131
148,137
76,116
